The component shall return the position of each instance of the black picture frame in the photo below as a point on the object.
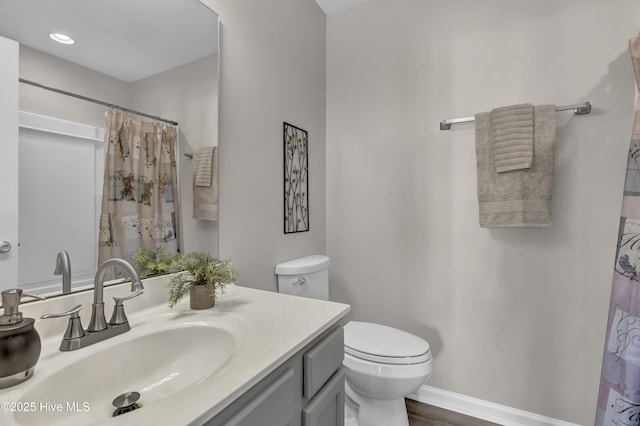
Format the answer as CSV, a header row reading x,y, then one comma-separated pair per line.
x,y
296,178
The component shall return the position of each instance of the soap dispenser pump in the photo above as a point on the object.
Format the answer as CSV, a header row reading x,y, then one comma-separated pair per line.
x,y
19,341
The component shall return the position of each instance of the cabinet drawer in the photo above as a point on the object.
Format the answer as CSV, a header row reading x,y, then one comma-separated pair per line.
x,y
322,361
327,408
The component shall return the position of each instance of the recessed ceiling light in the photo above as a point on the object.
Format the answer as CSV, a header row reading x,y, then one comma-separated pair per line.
x,y
61,38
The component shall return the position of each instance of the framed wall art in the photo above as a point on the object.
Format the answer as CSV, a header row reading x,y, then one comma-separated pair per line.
x,y
296,179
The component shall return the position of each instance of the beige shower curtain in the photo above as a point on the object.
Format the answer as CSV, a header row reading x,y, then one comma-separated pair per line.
x,y
140,194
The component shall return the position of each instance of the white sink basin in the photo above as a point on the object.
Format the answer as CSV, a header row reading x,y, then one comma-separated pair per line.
x,y
158,365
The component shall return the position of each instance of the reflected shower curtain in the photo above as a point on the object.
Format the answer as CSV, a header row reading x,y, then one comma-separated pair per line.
x,y
619,392
140,194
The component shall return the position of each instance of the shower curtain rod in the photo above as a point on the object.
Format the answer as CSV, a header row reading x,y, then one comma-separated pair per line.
x,y
96,101
578,109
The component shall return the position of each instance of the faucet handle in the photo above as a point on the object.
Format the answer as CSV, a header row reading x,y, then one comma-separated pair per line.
x,y
73,313
119,317
74,329
119,300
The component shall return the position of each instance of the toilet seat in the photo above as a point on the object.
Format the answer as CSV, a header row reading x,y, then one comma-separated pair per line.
x,y
385,345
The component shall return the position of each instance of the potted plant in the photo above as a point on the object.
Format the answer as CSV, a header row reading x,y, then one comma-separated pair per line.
x,y
203,278
150,262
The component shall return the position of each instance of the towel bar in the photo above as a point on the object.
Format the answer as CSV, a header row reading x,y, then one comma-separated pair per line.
x,y
578,109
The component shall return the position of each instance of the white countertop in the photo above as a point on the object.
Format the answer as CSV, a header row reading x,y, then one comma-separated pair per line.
x,y
268,327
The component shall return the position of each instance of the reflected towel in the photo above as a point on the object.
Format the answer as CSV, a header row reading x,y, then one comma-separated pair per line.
x,y
205,198
512,137
203,160
518,197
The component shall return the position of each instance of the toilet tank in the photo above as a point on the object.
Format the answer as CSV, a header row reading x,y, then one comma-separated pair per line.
x,y
306,276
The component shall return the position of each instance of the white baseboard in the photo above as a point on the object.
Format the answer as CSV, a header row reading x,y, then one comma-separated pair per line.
x,y
480,409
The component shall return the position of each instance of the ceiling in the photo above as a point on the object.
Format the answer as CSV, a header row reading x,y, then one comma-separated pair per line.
x,y
128,40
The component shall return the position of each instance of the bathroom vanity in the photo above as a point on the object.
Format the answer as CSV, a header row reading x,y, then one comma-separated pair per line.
x,y
307,389
256,358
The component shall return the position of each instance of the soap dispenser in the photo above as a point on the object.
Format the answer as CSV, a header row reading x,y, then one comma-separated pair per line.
x,y
19,341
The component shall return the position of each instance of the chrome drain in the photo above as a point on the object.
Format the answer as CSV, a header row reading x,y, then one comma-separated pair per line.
x,y
126,403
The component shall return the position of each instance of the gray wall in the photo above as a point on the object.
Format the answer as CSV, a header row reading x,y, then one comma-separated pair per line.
x,y
513,316
59,73
272,69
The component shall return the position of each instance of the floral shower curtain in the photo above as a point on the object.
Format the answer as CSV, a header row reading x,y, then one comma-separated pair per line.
x,y
140,194
619,392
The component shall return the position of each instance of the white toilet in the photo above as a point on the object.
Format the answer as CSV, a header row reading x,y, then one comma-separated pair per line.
x,y
382,364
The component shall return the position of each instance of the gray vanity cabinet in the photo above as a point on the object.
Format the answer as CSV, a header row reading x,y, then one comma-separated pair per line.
x,y
274,405
327,407
323,383
306,390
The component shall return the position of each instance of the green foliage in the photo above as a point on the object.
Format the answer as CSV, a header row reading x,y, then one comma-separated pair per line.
x,y
149,262
198,269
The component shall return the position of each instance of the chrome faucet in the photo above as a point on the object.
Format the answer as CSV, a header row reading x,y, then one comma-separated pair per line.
x,y
98,321
63,266
76,336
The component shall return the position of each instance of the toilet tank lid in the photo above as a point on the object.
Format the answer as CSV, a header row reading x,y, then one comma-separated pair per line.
x,y
303,265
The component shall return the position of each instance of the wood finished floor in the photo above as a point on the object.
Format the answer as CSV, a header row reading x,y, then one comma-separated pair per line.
x,y
427,415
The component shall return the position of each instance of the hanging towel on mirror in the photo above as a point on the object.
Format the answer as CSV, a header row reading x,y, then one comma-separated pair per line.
x,y
205,198
518,197
512,137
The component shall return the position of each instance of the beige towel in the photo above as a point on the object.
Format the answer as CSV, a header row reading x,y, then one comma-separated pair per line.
x,y
512,133
203,161
205,198
519,197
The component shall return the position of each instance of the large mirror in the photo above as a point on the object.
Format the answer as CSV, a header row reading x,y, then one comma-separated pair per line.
x,y
159,58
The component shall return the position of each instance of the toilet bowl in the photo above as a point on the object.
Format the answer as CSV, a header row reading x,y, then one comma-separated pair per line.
x,y
382,364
